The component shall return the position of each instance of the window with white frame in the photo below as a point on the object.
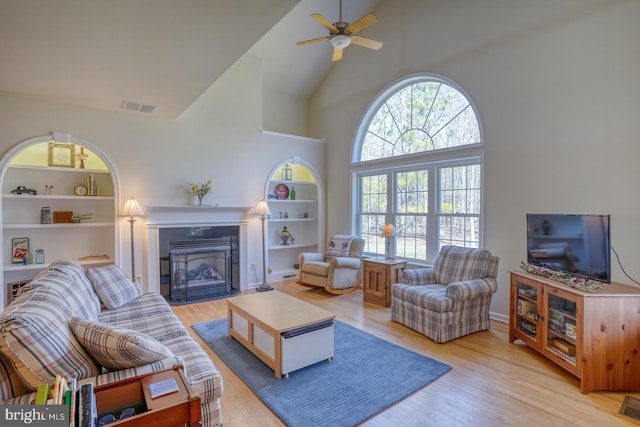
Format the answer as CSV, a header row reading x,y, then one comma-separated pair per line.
x,y
417,164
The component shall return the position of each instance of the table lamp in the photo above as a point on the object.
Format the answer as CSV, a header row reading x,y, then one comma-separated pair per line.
x,y
388,233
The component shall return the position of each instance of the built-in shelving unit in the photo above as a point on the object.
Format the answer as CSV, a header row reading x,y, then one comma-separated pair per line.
x,y
301,216
94,236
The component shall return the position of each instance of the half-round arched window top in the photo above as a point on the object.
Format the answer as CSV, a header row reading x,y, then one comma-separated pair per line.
x,y
414,115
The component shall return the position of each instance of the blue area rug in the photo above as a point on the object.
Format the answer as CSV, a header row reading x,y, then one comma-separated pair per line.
x,y
366,376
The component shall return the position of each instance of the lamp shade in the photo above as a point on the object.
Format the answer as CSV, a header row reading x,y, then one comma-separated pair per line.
x,y
262,208
389,231
132,208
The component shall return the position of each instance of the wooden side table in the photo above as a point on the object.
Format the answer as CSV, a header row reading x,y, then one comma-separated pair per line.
x,y
379,274
180,408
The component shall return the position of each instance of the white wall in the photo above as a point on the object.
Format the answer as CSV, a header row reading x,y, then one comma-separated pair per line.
x,y
556,86
217,138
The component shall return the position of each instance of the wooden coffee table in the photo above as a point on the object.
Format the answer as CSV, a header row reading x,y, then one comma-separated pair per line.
x,y
284,332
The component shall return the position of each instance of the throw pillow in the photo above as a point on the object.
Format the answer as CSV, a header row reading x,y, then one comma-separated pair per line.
x,y
339,246
117,348
113,288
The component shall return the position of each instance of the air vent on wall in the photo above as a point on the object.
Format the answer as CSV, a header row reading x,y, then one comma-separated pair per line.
x,y
138,107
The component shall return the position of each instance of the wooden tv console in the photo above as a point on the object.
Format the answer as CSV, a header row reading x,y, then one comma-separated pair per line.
x,y
593,335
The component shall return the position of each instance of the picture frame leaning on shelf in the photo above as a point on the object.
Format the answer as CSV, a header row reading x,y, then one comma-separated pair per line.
x,y
61,155
19,249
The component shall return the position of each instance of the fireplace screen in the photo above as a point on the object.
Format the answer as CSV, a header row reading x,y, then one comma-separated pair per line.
x,y
199,269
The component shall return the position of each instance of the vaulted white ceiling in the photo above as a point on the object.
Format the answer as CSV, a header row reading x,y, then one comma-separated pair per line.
x,y
163,53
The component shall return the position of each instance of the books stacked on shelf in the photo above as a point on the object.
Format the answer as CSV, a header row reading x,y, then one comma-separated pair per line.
x,y
556,322
570,330
92,186
528,328
528,292
58,393
564,347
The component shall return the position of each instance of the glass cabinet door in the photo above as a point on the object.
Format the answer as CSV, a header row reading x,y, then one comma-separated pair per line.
x,y
561,327
527,309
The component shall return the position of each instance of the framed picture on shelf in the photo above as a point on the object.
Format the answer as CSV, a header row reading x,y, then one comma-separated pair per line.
x,y
61,155
19,249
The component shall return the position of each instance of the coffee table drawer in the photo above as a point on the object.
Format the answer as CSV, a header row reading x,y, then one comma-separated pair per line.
x,y
306,349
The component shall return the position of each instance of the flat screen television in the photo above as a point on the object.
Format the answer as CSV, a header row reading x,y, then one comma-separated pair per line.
x,y
574,244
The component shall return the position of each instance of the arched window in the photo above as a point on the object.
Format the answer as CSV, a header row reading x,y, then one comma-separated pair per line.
x,y
417,164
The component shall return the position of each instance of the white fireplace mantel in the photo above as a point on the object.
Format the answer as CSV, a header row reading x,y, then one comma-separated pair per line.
x,y
159,217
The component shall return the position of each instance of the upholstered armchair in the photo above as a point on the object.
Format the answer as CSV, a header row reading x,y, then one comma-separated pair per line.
x,y
337,270
451,299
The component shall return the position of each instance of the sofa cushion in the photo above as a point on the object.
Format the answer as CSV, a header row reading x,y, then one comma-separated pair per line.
x,y
456,264
161,326
38,341
117,348
317,268
76,289
429,297
112,286
148,304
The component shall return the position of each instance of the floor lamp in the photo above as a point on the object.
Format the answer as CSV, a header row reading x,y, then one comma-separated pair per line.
x,y
132,209
388,233
262,209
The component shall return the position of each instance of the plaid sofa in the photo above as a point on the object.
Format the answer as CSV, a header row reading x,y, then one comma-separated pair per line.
x,y
451,299
96,326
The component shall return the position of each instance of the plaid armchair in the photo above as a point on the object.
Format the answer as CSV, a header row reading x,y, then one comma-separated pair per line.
x,y
451,299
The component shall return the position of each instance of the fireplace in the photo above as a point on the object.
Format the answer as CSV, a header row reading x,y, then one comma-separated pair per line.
x,y
199,263
199,270
182,223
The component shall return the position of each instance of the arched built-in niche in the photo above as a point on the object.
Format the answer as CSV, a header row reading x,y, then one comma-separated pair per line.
x,y
307,230
50,166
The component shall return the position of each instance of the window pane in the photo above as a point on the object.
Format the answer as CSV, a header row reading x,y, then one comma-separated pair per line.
x,y
372,226
411,241
413,192
460,189
373,209
459,231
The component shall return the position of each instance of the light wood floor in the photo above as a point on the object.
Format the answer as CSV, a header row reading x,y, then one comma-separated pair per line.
x,y
492,383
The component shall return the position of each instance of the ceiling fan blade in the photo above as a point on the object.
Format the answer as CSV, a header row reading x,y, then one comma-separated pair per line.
x,y
324,22
337,54
364,42
320,39
362,23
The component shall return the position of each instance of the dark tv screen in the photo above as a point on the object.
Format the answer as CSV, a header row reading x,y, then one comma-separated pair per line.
x,y
574,244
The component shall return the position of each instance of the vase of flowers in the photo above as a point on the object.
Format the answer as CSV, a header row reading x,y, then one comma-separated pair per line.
x,y
200,190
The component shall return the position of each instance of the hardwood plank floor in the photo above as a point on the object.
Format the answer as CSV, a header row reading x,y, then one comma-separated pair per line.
x,y
492,383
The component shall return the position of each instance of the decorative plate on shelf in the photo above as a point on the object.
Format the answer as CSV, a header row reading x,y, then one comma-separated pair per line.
x,y
282,191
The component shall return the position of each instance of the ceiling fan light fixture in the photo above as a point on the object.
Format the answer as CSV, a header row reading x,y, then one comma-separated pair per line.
x,y
340,41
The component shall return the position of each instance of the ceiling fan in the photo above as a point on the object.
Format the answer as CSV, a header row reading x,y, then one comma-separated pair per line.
x,y
342,34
